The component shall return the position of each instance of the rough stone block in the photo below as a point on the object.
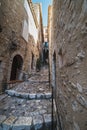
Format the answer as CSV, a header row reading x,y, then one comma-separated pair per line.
x,y
7,124
2,118
38,122
74,105
17,94
19,101
40,96
73,85
76,126
42,111
47,119
25,95
32,96
82,100
81,55
11,92
48,95
23,123
79,87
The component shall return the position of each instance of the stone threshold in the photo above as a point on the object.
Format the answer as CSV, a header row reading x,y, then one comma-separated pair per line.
x,y
39,122
29,96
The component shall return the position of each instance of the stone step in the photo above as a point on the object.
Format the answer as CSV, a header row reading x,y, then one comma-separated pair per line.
x,y
39,122
29,96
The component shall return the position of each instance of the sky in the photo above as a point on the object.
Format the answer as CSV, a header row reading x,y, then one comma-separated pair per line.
x,y
45,4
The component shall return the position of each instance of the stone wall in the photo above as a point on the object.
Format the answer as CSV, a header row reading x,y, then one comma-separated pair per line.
x,y
14,39
49,38
38,12
69,41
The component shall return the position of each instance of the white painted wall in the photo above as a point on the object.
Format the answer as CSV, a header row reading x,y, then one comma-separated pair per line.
x,y
31,24
25,30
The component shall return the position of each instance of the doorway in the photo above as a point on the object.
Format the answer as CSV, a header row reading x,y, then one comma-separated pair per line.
x,y
16,67
32,62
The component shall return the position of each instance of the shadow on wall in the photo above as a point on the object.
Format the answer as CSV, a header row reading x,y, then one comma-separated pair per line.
x,y
16,67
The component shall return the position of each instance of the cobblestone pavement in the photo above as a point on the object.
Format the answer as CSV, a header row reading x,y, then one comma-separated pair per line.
x,y
37,83
24,114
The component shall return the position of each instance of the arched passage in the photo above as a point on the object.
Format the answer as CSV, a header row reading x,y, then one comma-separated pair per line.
x,y
16,67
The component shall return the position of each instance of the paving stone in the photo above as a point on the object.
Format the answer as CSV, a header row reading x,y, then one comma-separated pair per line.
x,y
13,107
41,89
2,96
38,122
47,119
79,87
2,118
74,105
42,111
6,108
17,94
82,100
7,124
81,55
25,95
11,92
73,85
32,96
76,126
40,96
19,101
34,113
47,122
1,128
48,95
23,123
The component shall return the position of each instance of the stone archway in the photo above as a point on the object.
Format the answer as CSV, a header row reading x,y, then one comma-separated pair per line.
x,y
16,67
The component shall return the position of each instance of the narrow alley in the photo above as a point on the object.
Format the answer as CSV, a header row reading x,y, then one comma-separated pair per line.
x,y
43,64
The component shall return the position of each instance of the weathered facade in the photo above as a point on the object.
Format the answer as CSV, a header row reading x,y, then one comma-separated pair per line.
x,y
18,40
45,45
45,33
49,38
69,45
38,12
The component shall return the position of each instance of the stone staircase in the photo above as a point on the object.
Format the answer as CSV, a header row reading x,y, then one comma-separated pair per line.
x,y
29,96
22,110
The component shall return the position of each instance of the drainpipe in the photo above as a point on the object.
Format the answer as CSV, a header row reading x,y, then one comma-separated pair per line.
x,y
49,75
52,111
49,71
59,122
